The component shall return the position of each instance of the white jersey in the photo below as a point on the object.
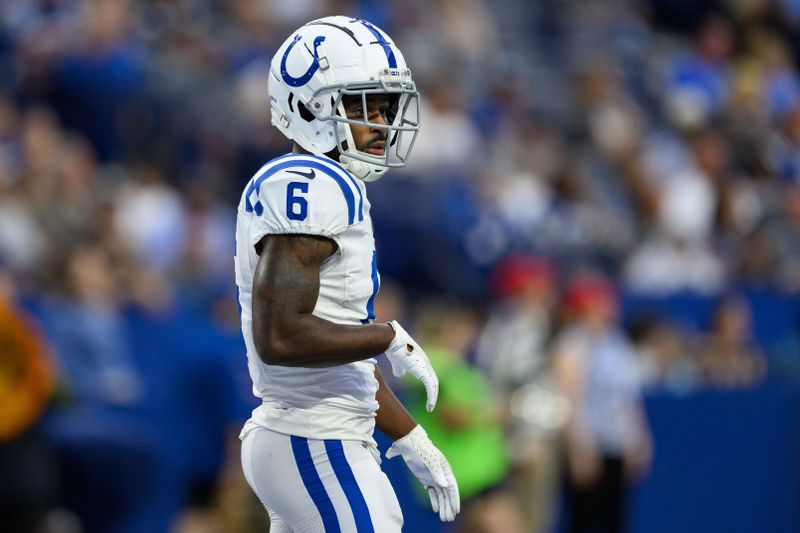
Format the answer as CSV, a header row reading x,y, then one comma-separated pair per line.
x,y
306,194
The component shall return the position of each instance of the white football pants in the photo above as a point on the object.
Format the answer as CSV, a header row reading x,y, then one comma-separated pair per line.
x,y
319,486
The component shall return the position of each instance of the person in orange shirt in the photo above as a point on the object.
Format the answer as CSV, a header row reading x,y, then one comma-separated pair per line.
x,y
26,383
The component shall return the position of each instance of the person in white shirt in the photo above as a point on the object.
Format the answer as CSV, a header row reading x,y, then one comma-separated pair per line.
x,y
607,440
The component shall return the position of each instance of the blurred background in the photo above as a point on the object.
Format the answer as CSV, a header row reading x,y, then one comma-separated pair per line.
x,y
597,240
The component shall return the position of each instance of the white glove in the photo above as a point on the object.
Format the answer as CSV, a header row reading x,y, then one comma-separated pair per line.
x,y
428,464
407,356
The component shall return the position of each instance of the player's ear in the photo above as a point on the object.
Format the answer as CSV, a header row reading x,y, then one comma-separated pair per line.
x,y
304,112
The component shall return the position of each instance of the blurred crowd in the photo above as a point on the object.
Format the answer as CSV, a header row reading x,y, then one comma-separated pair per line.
x,y
603,203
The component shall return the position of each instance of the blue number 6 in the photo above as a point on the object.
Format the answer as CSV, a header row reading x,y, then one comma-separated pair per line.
x,y
296,206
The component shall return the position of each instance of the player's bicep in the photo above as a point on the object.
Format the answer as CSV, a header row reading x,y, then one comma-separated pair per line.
x,y
287,273
285,287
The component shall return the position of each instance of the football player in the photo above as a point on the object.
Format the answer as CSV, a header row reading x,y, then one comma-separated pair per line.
x,y
307,275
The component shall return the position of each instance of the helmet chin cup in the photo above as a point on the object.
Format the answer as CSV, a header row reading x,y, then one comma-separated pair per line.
x,y
361,169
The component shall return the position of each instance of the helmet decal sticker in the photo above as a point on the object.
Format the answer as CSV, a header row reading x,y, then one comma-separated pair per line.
x,y
381,40
302,80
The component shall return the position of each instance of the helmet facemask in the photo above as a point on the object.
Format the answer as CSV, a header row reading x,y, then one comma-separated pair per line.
x,y
401,129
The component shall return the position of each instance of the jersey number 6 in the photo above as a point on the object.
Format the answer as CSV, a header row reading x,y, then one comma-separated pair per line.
x,y
296,205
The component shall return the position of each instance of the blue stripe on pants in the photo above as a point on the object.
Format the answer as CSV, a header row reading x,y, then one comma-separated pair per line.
x,y
310,476
349,485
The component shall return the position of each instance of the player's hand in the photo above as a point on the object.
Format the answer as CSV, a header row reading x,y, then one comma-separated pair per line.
x,y
407,356
428,464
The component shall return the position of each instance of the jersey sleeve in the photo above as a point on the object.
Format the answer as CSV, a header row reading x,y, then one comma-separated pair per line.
x,y
288,203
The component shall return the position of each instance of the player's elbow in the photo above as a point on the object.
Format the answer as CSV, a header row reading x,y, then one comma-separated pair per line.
x,y
274,349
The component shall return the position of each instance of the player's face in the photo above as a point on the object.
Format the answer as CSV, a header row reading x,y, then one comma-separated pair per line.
x,y
369,139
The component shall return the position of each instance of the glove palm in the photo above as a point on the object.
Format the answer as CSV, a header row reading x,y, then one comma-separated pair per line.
x,y
431,468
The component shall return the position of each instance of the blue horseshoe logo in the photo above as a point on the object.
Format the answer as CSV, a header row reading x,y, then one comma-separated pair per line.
x,y
302,80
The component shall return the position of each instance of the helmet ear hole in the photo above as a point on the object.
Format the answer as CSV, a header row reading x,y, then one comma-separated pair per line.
x,y
307,115
291,97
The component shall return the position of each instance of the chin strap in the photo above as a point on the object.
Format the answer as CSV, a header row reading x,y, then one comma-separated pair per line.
x,y
361,170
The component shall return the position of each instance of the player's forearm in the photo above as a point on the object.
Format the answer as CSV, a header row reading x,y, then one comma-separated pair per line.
x,y
392,418
306,340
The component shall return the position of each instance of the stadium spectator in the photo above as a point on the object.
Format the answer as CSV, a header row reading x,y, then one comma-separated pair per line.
x,y
512,353
607,440
511,346
665,354
467,425
699,82
729,359
28,484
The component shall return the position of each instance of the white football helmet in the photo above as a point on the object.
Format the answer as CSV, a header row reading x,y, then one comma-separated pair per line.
x,y
328,59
